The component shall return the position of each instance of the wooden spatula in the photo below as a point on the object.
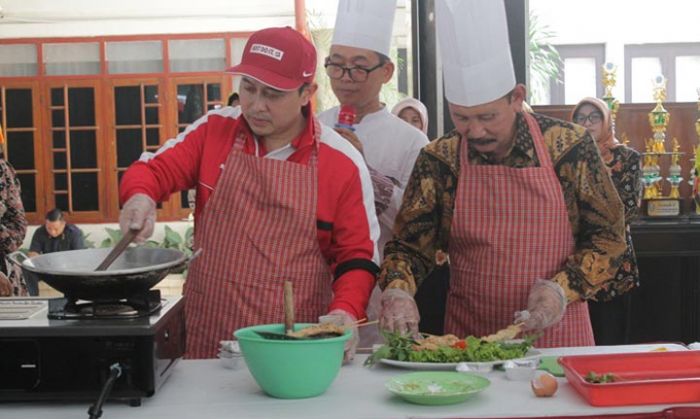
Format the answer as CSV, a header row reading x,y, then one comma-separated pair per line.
x,y
288,308
117,250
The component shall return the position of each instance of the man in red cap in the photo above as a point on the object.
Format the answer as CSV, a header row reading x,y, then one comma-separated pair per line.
x,y
277,199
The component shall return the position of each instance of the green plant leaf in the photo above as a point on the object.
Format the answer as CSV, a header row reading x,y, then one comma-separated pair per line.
x,y
544,60
89,244
172,240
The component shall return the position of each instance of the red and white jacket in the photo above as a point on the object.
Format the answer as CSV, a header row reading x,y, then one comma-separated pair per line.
x,y
347,226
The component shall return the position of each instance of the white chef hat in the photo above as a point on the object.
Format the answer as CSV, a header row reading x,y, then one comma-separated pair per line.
x,y
476,62
365,24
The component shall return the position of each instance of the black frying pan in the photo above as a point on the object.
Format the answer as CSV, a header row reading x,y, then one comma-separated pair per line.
x,y
73,273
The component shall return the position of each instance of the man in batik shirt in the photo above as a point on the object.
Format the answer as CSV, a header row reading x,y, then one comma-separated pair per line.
x,y
522,203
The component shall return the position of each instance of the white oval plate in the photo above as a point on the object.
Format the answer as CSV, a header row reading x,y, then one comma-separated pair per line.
x,y
480,366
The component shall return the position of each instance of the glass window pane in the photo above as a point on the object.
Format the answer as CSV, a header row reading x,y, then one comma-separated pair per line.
x,y
59,160
62,201
214,92
184,201
134,57
57,97
81,103
59,139
152,116
20,150
58,118
18,60
129,146
28,184
644,69
687,78
197,55
151,94
579,79
18,106
85,192
72,58
237,47
127,105
152,136
83,149
60,181
190,98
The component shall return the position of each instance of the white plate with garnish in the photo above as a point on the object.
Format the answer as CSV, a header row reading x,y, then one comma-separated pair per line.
x,y
466,366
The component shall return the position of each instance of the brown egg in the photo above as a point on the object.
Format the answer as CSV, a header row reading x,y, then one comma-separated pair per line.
x,y
544,384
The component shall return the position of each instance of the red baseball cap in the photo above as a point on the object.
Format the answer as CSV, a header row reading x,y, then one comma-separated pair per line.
x,y
278,57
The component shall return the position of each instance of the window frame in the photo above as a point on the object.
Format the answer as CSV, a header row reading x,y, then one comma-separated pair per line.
x,y
666,53
37,119
104,84
557,95
100,158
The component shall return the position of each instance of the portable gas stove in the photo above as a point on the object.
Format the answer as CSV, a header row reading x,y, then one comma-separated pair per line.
x,y
58,349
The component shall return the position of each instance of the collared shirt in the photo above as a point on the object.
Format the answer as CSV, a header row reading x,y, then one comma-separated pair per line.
x,y
347,227
70,239
13,224
595,212
390,147
626,173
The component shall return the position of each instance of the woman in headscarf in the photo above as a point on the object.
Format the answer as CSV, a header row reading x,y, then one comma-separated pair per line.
x,y
610,308
414,112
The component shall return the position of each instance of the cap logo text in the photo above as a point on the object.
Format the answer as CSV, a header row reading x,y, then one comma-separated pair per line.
x,y
271,52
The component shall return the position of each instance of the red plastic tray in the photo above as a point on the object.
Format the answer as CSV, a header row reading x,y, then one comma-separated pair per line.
x,y
644,378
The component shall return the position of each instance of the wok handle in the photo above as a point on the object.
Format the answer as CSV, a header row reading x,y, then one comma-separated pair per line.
x,y
15,256
186,263
194,256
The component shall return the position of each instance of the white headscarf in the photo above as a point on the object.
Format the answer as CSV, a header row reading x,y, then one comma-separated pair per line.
x,y
416,104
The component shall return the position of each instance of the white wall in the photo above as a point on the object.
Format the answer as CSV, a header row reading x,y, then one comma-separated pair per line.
x,y
69,18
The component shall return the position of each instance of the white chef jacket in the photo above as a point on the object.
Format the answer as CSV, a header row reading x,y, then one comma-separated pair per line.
x,y
391,147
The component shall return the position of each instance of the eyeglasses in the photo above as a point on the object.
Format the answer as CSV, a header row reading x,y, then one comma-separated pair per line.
x,y
593,118
358,74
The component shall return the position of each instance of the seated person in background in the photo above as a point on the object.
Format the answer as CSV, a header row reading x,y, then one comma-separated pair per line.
x,y
54,236
610,308
412,111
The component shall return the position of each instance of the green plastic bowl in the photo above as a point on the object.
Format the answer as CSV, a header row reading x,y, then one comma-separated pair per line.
x,y
291,369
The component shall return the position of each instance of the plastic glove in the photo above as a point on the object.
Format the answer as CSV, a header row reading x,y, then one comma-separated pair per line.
x,y
5,286
546,305
138,213
399,312
343,318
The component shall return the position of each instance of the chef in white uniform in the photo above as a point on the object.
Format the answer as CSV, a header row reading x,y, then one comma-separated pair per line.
x,y
358,66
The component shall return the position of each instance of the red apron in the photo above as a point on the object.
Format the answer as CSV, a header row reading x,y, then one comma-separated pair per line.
x,y
257,230
510,227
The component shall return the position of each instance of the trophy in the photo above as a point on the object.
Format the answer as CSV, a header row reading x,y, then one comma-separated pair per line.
x,y
656,203
609,80
695,170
